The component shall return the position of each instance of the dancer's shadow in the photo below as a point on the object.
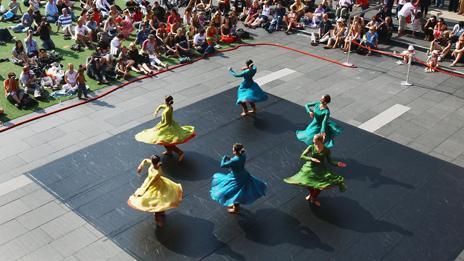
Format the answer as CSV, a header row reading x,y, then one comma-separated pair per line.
x,y
195,166
274,123
361,172
349,214
102,103
193,237
273,227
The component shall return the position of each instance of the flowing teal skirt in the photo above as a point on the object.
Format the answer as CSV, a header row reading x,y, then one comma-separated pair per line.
x,y
314,128
252,93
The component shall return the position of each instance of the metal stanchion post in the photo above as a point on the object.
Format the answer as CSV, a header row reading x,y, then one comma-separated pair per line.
x,y
347,63
407,83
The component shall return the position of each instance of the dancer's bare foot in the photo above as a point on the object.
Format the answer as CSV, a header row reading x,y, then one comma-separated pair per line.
x,y
159,220
181,157
166,153
315,202
308,197
234,209
251,111
243,114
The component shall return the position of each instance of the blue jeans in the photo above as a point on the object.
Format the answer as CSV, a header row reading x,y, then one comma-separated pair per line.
x,y
52,19
440,3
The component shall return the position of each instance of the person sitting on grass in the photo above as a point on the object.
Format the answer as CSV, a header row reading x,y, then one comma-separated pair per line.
x,y
19,55
124,55
142,33
70,79
140,62
115,45
226,34
12,13
26,22
51,11
65,22
212,35
29,82
12,91
95,69
44,30
32,48
121,69
182,43
150,47
82,34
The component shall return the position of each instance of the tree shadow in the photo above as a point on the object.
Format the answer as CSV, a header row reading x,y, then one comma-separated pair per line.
x,y
278,228
361,172
192,236
195,166
349,214
272,123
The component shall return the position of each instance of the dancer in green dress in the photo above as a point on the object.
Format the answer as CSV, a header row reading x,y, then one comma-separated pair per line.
x,y
314,174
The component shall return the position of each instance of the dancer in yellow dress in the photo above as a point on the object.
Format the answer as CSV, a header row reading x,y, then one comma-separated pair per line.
x,y
167,132
157,193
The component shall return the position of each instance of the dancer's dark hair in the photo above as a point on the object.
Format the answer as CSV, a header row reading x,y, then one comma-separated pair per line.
x,y
169,100
249,63
155,159
327,98
238,148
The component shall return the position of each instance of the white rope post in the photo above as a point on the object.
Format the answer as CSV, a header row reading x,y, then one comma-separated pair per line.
x,y
347,62
407,83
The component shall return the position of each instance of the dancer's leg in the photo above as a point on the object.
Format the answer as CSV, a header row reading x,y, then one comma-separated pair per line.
x,y
314,193
253,107
244,109
159,219
178,152
168,150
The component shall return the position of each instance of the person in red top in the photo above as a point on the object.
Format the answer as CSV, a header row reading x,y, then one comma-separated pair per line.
x,y
12,91
173,19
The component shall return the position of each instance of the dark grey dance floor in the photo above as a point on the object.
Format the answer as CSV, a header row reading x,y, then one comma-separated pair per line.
x,y
400,204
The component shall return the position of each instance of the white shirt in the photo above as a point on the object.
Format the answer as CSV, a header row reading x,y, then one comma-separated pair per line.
x,y
198,39
266,11
115,44
406,10
71,77
81,30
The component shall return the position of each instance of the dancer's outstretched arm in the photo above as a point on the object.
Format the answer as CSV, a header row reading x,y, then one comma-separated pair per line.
x,y
240,74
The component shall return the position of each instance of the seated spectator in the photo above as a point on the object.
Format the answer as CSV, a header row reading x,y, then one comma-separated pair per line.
x,y
212,35
170,45
96,18
343,9
51,11
35,4
125,26
150,48
406,55
26,22
44,30
161,32
428,28
140,62
338,35
277,19
110,27
299,8
432,62
137,17
264,16
459,51
81,86
159,11
142,33
182,43
121,69
96,69
65,22
355,33
442,45
200,44
216,19
70,79
115,45
439,28
12,91
226,35
291,20
32,48
253,13
43,59
82,34
325,29
12,12
174,21
124,55
19,55
372,39
29,82
224,6
131,5
103,6
457,31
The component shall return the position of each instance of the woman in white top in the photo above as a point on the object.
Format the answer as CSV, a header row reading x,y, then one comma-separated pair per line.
x,y
264,16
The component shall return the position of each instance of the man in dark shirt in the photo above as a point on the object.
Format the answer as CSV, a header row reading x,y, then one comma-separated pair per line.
x,y
131,5
159,11
325,26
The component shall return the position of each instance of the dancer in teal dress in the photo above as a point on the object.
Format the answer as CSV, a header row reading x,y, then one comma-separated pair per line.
x,y
314,175
248,90
321,123
238,186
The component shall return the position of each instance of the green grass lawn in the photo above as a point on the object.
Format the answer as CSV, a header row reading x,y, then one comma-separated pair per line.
x,y
70,56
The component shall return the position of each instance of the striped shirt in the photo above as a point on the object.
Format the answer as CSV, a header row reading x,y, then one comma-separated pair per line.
x,y
64,20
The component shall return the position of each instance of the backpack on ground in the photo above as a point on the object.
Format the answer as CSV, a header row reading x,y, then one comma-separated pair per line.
x,y
242,34
5,35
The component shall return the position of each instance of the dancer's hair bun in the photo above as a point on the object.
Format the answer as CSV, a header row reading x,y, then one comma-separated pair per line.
x,y
249,63
155,159
169,100
238,148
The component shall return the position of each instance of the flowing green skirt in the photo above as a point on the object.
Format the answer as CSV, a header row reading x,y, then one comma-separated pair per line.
x,y
318,177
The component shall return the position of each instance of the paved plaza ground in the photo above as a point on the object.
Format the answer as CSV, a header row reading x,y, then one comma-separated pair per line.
x,y
39,221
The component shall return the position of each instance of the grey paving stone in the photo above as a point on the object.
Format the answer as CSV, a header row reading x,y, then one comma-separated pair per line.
x,y
11,162
37,152
11,230
13,148
74,241
45,253
440,156
451,148
124,117
459,160
87,126
78,112
67,140
420,147
37,198
46,123
41,215
44,137
399,138
24,245
12,210
63,224
102,249
71,258
18,193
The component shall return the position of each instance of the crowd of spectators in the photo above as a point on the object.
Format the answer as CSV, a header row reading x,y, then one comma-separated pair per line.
x,y
137,37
